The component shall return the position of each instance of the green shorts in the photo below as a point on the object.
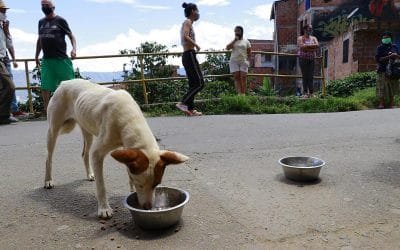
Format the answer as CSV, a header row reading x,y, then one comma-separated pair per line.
x,y
55,70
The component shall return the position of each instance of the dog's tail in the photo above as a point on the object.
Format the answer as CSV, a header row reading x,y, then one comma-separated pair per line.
x,y
68,126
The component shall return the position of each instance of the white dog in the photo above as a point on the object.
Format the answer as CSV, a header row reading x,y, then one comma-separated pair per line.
x,y
115,120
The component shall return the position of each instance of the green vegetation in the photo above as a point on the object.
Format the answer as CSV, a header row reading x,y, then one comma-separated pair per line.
x,y
232,104
355,92
348,85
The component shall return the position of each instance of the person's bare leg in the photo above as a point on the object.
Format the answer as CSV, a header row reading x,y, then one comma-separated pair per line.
x,y
46,99
243,82
236,76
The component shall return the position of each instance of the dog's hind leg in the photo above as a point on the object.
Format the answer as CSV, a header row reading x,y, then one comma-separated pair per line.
x,y
51,142
87,143
97,156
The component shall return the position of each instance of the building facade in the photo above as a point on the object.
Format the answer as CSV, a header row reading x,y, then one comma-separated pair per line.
x,y
348,31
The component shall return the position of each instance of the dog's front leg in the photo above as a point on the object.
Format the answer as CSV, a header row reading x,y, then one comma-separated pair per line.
x,y
87,143
104,209
131,183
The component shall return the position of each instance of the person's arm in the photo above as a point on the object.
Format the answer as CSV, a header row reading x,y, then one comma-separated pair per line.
x,y
10,48
307,47
248,49
231,44
73,43
38,49
186,30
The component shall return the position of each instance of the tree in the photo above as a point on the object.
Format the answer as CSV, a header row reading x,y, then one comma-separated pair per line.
x,y
217,64
155,66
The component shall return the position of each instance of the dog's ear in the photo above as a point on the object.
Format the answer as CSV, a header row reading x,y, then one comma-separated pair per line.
x,y
170,157
134,159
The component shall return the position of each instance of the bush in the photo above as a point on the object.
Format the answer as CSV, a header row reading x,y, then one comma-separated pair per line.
x,y
347,86
173,91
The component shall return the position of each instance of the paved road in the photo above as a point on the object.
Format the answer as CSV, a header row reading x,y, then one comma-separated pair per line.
x,y
239,197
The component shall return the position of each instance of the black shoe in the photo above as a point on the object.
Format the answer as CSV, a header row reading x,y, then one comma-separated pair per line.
x,y
5,121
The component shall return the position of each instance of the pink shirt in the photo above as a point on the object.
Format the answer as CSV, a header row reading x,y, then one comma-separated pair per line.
x,y
307,54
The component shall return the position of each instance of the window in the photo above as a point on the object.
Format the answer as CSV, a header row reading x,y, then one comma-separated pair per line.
x,y
308,4
287,63
263,60
346,51
326,58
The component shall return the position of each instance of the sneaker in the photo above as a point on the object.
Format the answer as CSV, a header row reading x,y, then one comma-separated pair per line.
x,y
5,121
8,120
19,113
195,113
13,119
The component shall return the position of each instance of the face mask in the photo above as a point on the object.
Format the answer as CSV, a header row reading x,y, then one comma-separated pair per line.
x,y
387,40
3,16
47,10
308,32
197,17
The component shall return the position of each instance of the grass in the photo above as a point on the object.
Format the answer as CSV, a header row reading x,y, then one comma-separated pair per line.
x,y
232,104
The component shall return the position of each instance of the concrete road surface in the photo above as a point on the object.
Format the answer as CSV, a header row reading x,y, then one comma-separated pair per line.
x,y
239,196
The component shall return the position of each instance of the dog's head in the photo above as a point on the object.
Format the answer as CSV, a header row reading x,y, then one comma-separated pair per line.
x,y
146,171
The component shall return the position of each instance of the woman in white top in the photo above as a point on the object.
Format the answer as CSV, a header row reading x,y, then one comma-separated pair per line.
x,y
239,64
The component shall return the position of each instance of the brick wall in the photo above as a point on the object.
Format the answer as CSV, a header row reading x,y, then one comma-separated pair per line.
x,y
324,3
362,49
286,22
259,45
365,43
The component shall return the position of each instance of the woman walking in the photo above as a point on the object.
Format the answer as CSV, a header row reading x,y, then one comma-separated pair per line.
x,y
189,60
239,64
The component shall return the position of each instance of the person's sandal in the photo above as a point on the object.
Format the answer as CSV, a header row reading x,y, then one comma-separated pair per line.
x,y
195,113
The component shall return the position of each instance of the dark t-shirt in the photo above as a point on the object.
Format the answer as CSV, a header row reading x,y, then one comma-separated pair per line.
x,y
382,51
52,36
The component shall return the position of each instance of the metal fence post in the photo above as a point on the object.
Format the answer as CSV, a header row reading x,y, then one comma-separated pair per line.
x,y
28,86
146,100
323,75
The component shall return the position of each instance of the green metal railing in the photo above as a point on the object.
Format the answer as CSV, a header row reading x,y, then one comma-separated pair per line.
x,y
143,80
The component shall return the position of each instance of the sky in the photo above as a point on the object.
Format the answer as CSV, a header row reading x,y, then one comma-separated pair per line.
x,y
104,27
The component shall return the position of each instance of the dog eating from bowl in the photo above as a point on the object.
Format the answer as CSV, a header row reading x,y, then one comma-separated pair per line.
x,y
110,121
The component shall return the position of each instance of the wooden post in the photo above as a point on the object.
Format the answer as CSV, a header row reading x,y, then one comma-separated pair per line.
x,y
28,85
146,100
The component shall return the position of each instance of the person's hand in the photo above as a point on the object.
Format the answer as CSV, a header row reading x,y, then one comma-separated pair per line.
x,y
15,64
73,53
393,55
197,47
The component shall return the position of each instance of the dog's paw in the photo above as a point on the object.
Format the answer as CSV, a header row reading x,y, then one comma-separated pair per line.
x,y
105,213
48,185
90,177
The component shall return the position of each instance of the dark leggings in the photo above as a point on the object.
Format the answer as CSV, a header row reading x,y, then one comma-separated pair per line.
x,y
307,70
194,75
7,90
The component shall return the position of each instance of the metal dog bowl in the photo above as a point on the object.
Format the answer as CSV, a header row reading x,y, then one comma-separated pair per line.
x,y
166,211
298,168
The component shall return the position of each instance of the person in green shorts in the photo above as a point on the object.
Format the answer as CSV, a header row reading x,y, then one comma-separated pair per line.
x,y
55,65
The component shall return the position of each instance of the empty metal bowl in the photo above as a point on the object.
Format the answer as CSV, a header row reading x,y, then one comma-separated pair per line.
x,y
166,211
299,168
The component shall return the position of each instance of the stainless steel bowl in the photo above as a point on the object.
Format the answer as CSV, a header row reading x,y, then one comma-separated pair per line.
x,y
299,168
166,212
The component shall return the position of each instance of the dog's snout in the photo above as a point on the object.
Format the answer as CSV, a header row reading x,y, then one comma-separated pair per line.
x,y
147,206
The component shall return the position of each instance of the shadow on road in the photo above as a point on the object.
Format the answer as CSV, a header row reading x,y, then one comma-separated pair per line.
x,y
283,179
68,199
74,199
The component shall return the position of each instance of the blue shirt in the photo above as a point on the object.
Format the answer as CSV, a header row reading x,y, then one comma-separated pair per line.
x,y
382,51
